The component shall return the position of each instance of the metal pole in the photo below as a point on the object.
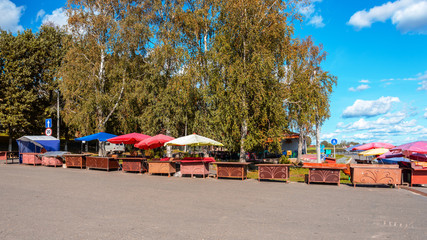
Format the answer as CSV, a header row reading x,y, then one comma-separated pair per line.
x,y
334,151
57,114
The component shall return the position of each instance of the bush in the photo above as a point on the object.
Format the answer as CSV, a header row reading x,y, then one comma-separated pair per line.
x,y
284,159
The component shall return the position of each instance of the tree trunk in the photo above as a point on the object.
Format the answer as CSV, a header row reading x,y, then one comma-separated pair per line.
x,y
67,137
168,148
242,141
318,141
10,139
300,144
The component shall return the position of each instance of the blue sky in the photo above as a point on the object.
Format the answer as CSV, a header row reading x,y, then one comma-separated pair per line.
x,y
377,49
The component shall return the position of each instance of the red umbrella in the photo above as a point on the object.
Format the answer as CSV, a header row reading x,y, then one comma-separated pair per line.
x,y
374,145
412,147
154,142
130,138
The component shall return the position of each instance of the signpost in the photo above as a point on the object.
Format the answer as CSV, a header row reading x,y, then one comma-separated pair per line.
x,y
48,125
48,122
48,131
334,142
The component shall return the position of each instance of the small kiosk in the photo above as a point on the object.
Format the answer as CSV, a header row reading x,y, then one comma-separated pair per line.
x,y
31,146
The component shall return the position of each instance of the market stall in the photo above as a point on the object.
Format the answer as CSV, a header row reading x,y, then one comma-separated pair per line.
x,y
30,146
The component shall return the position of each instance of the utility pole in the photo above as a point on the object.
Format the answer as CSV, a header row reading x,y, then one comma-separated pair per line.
x,y
57,114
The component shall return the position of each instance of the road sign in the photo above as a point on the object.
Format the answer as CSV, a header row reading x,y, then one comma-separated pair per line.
x,y
48,131
48,123
334,141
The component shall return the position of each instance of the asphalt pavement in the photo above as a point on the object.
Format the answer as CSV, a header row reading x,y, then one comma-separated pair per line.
x,y
58,203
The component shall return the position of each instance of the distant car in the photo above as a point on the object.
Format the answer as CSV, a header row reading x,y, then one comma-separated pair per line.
x,y
114,148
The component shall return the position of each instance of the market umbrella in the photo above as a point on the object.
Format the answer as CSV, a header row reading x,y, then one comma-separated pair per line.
x,y
374,152
193,140
154,142
349,149
130,138
412,147
393,160
418,157
390,155
374,145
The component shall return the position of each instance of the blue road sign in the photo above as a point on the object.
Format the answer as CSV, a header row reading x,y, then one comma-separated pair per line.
x,y
334,141
48,122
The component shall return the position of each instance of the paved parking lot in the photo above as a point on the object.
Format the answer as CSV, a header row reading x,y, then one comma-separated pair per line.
x,y
57,203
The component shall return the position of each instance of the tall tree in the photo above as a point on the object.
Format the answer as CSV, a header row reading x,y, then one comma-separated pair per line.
x,y
309,88
252,42
29,64
107,48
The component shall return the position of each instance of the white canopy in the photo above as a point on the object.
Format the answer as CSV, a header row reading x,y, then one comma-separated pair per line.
x,y
193,140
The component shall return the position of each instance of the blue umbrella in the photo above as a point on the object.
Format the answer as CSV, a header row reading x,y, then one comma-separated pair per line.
x,y
101,136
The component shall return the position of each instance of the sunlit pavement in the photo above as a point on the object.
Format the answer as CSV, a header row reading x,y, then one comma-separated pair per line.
x,y
58,203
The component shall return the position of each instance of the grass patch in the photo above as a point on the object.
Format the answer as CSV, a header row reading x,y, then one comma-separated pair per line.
x,y
297,174
253,174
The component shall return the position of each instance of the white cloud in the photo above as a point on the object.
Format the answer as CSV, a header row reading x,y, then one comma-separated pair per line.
x,y
40,14
10,15
316,21
328,136
58,17
407,15
425,114
363,136
312,16
364,81
419,77
359,88
423,85
366,108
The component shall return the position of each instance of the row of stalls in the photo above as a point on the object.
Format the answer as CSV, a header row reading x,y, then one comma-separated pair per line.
x,y
44,150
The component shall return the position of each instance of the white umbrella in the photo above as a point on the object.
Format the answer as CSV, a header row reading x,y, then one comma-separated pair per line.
x,y
193,140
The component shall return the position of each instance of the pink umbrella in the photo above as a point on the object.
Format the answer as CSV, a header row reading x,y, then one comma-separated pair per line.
x,y
154,142
374,145
130,138
412,147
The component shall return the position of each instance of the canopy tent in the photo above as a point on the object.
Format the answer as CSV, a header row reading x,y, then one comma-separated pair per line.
x,y
29,144
412,147
374,152
193,140
390,155
393,160
101,136
154,142
130,138
373,146
349,149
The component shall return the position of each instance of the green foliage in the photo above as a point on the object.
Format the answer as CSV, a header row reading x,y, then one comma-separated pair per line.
x,y
29,64
284,159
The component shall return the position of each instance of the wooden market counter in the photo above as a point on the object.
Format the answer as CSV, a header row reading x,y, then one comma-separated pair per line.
x,y
417,173
273,171
376,174
232,169
8,155
133,164
31,158
324,172
75,160
52,161
161,167
195,166
107,163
